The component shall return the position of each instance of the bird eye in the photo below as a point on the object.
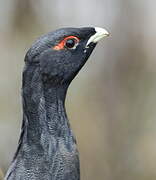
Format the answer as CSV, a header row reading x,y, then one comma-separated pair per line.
x,y
70,43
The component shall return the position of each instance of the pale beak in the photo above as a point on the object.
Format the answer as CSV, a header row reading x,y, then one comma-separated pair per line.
x,y
100,33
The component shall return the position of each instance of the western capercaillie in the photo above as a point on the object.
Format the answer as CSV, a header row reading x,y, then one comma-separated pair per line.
x,y
47,147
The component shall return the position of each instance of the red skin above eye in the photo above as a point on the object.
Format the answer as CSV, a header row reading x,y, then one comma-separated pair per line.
x,y
62,43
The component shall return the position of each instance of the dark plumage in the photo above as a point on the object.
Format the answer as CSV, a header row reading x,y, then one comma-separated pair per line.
x,y
47,147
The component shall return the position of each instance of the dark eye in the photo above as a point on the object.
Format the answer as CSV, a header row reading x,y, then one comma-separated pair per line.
x,y
70,43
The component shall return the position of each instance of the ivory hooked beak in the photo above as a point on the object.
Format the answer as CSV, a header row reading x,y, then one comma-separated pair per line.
x,y
100,33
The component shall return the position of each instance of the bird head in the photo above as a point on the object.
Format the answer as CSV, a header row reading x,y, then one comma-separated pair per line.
x,y
61,54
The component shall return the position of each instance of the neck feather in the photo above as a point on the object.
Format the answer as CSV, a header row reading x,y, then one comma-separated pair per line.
x,y
44,113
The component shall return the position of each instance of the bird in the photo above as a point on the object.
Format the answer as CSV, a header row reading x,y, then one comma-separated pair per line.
x,y
47,148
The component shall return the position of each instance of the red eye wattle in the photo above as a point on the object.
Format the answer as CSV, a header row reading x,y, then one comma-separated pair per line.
x,y
68,42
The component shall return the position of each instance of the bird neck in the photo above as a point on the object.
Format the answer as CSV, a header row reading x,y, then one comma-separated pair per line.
x,y
44,112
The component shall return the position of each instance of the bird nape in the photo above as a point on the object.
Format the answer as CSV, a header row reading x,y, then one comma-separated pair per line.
x,y
47,147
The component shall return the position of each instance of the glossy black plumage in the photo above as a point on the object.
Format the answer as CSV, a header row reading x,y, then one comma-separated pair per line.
x,y
47,147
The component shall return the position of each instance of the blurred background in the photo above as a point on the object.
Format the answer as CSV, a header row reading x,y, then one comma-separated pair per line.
x,y
111,103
